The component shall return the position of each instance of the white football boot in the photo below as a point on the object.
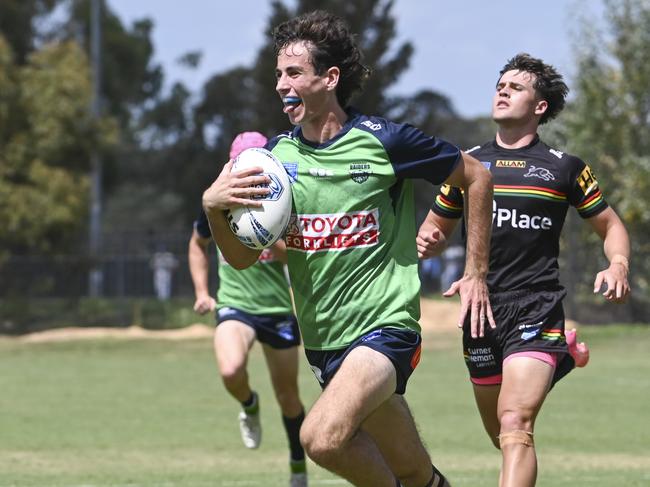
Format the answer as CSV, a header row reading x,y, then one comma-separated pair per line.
x,y
250,429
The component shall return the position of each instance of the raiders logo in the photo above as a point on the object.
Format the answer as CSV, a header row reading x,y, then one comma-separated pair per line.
x,y
360,172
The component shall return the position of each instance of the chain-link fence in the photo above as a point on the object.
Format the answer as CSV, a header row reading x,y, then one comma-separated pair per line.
x,y
149,267
130,266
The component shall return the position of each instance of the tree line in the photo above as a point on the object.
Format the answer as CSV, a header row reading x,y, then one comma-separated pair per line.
x,y
161,147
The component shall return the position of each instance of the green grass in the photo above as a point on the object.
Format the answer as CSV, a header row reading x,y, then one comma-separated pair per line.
x,y
154,413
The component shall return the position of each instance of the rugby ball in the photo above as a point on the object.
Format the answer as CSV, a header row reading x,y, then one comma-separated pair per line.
x,y
261,227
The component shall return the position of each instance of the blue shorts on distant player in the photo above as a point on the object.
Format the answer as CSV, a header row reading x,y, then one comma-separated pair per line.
x,y
276,331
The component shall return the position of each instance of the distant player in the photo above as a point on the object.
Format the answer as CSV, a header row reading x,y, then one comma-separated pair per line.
x,y
513,367
253,304
352,255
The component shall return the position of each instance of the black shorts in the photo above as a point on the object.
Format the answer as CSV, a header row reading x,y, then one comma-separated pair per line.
x,y
401,346
276,331
527,320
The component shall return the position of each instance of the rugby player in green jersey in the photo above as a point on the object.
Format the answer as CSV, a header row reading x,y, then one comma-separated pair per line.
x,y
513,367
351,252
253,304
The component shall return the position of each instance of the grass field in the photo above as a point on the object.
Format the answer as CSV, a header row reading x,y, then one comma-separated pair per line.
x,y
116,412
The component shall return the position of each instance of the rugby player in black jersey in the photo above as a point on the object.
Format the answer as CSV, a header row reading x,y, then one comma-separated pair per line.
x,y
514,366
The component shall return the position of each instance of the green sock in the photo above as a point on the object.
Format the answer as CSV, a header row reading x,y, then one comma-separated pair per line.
x,y
298,466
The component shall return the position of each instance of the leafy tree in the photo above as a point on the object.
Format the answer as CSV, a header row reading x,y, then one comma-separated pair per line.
x,y
18,24
150,122
129,76
608,125
130,81
151,192
44,143
170,147
244,98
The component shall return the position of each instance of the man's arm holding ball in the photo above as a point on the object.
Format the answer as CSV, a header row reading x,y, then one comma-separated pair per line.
x,y
229,190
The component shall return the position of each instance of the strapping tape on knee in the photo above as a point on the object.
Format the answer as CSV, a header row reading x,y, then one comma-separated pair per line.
x,y
520,437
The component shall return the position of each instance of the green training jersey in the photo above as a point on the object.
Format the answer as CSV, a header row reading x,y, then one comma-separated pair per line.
x,y
262,289
351,236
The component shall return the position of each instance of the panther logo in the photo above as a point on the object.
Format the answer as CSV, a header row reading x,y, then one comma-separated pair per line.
x,y
539,172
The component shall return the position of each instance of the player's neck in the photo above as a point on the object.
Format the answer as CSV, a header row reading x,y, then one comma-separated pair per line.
x,y
322,129
515,137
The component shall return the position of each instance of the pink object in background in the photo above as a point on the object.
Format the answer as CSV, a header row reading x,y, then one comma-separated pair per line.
x,y
578,350
246,140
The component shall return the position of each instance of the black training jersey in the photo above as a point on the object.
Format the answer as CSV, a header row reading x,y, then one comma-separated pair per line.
x,y
533,188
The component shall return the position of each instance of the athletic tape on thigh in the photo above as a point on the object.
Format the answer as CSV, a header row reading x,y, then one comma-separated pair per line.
x,y
516,437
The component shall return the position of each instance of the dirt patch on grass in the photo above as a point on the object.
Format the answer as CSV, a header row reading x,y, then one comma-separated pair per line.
x,y
82,333
442,316
437,316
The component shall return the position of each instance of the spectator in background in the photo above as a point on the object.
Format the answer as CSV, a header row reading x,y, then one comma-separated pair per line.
x,y
430,270
453,261
163,264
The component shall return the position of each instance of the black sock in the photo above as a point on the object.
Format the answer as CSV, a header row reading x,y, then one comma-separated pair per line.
x,y
292,427
250,405
441,480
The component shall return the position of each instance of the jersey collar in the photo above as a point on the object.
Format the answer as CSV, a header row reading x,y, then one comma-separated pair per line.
x,y
533,143
353,117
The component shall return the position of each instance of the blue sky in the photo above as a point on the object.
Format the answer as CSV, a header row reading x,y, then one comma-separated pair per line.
x,y
460,45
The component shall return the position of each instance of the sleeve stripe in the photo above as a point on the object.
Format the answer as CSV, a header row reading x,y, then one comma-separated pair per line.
x,y
446,204
445,208
591,201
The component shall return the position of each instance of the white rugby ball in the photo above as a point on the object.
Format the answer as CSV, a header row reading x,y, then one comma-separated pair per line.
x,y
261,227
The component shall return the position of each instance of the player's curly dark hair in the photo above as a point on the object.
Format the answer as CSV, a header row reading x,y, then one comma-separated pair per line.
x,y
549,84
330,44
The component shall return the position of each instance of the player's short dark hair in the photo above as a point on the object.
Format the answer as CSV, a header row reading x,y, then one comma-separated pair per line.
x,y
549,84
330,44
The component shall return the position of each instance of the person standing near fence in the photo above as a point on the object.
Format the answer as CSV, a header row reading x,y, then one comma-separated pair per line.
x,y
253,304
513,367
163,264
